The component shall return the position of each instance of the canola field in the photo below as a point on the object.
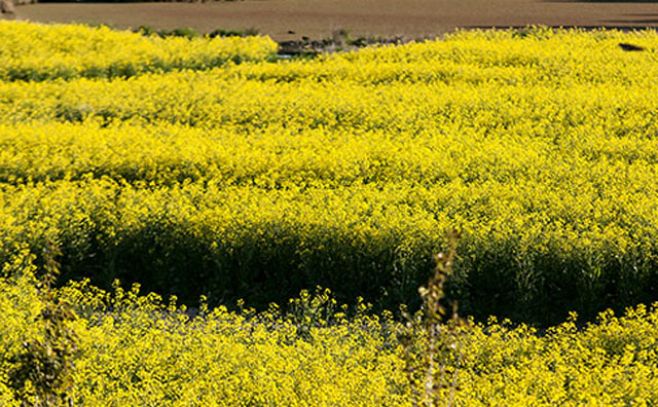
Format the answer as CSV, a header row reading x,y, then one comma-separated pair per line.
x,y
258,179
207,167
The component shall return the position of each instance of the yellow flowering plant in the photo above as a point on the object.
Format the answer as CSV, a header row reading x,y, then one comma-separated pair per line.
x,y
205,168
36,52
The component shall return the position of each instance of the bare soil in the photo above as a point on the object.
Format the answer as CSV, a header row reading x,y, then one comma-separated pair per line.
x,y
287,20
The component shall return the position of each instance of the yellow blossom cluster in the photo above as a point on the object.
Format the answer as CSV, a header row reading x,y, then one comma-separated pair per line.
x,y
37,52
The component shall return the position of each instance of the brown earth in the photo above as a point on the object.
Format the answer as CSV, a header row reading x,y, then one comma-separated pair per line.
x,y
292,19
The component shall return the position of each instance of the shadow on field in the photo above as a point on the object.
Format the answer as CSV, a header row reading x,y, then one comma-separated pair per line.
x,y
168,259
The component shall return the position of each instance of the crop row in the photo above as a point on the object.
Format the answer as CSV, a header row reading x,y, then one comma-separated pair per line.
x,y
139,350
35,52
219,99
600,156
524,247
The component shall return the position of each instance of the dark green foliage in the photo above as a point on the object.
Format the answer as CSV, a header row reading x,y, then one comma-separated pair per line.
x,y
233,33
184,32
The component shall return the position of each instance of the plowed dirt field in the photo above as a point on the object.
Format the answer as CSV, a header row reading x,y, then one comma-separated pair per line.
x,y
292,19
